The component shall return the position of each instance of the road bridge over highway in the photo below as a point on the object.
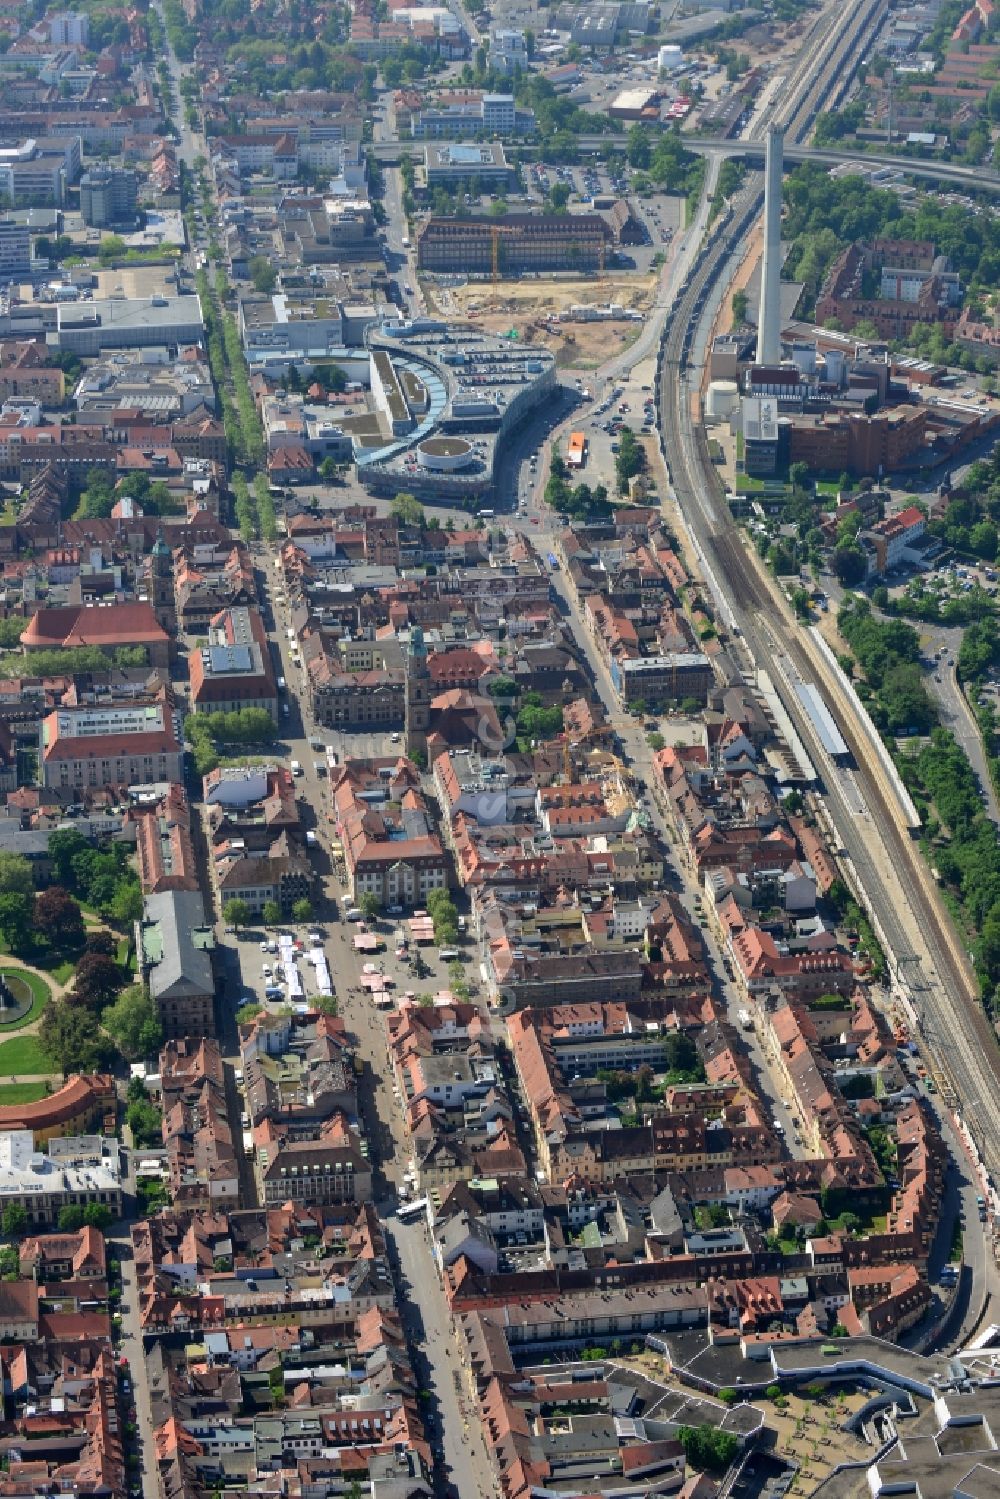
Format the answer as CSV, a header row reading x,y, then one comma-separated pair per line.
x,y
981,179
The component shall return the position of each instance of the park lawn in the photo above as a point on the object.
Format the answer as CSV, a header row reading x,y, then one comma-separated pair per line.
x,y
747,484
22,1092
62,972
23,1054
125,955
41,994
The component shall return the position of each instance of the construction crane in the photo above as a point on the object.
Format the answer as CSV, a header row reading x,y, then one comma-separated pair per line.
x,y
597,732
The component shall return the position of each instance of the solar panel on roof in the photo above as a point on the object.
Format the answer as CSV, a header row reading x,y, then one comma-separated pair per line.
x,y
230,658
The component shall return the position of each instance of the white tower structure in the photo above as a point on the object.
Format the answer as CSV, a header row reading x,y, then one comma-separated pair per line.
x,y
769,319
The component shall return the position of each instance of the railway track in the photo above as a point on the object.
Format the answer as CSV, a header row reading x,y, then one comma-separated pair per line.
x,y
960,1040
957,1034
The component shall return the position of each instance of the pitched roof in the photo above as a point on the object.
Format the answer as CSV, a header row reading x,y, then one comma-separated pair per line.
x,y
100,625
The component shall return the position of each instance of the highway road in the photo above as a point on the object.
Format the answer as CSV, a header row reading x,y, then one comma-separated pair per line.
x,y
950,174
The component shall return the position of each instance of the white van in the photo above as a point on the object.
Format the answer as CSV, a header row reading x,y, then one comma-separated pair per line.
x,y
296,768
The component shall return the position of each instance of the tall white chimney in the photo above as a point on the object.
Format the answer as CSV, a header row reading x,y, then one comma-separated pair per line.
x,y
769,320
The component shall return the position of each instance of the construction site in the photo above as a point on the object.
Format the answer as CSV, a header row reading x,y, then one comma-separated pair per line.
x,y
583,322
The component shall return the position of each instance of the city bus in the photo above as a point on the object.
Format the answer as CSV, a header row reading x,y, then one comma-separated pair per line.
x,y
406,1212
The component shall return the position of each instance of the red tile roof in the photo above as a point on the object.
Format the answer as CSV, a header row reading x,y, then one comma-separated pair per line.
x,y
100,625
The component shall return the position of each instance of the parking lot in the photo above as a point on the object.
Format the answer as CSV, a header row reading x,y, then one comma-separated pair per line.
x,y
953,580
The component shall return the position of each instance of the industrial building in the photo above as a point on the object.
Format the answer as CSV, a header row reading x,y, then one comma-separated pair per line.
x,y
517,243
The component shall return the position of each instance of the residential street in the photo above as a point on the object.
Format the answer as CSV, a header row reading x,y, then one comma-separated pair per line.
x,y
425,1309
430,1325
131,1347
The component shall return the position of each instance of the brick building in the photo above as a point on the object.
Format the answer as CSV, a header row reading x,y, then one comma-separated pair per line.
x,y
856,444
524,242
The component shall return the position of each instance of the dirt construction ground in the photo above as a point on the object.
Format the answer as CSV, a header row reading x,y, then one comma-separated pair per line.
x,y
531,308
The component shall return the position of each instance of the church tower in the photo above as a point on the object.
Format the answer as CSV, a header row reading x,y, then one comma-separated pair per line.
x,y
418,692
161,584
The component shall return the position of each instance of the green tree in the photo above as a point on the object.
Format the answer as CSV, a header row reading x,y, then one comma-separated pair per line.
x,y
145,1122
802,603
302,910
71,1036
849,565
237,913
407,509
14,1221
11,630
983,539
132,1023
369,905
639,149
112,247
536,722
96,1215
64,845
271,913
740,308
126,904
15,920
70,1219
15,874
262,274
630,460
708,1448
